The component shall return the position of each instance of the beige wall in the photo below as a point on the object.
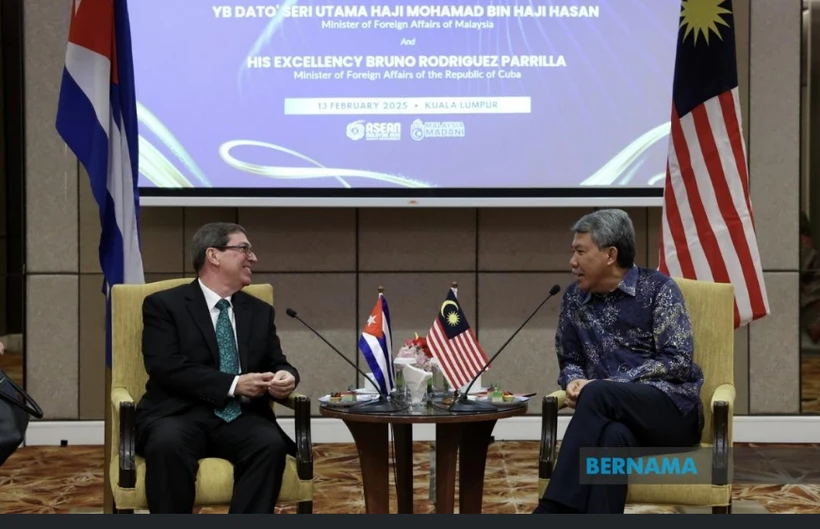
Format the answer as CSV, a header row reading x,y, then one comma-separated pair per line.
x,y
328,263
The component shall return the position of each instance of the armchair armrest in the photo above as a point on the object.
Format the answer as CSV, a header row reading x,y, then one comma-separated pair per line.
x,y
553,402
123,429
300,404
723,404
291,401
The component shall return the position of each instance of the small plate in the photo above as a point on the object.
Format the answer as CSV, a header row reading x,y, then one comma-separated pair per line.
x,y
365,391
516,401
346,403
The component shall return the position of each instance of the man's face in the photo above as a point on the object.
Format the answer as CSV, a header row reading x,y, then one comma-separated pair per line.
x,y
588,262
235,263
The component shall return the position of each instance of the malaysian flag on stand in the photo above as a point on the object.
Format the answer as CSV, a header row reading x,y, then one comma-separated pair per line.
x,y
707,228
97,118
454,345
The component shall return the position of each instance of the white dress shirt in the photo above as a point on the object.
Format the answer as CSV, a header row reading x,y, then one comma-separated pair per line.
x,y
212,298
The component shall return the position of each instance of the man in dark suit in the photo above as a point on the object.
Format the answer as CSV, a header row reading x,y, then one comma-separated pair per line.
x,y
214,363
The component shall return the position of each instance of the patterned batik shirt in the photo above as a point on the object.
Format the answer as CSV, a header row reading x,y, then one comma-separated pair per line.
x,y
640,332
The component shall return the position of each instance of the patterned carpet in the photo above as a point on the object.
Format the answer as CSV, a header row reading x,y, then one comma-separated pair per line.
x,y
70,480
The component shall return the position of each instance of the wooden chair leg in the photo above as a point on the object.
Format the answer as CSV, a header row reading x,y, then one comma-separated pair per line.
x,y
305,507
724,509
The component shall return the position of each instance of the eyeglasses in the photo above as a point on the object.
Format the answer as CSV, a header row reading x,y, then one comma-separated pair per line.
x,y
246,249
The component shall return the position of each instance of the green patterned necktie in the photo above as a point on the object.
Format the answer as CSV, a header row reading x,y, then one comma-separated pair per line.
x,y
228,358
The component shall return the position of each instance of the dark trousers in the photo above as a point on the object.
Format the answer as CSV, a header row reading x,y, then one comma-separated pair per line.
x,y
613,414
172,447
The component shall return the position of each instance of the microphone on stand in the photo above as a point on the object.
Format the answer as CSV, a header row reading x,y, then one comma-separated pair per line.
x,y
464,404
384,404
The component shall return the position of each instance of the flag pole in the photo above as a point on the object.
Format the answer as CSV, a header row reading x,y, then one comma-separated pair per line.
x,y
454,287
390,353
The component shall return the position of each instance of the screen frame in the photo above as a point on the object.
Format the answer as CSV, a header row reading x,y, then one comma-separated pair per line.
x,y
603,196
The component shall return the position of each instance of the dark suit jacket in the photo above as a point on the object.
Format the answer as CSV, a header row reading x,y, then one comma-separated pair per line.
x,y
182,357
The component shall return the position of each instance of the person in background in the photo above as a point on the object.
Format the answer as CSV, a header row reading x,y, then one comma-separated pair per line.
x,y
625,354
214,362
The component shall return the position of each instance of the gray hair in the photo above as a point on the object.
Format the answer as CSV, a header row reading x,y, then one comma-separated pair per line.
x,y
610,227
213,235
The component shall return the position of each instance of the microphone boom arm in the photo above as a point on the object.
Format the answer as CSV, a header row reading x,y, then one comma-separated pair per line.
x,y
384,404
490,361
346,359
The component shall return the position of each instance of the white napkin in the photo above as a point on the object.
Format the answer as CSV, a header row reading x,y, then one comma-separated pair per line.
x,y
416,379
368,386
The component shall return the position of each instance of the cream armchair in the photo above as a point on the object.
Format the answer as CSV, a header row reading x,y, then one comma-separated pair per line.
x,y
214,482
711,309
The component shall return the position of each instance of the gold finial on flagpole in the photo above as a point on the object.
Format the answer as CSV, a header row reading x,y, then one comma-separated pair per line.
x,y
381,289
455,284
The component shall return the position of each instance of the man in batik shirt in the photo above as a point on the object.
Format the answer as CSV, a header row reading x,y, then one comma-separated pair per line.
x,y
624,346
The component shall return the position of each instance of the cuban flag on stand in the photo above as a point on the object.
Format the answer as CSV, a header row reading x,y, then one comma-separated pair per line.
x,y
376,344
97,118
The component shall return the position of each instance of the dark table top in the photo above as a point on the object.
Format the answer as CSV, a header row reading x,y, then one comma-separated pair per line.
x,y
436,411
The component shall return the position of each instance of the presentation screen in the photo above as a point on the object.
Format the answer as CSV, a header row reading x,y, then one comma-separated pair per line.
x,y
486,98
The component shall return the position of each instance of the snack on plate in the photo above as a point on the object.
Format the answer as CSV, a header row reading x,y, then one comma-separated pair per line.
x,y
335,397
496,395
348,396
508,397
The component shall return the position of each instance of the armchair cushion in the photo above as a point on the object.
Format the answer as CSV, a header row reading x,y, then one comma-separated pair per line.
x,y
697,495
214,480
214,484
